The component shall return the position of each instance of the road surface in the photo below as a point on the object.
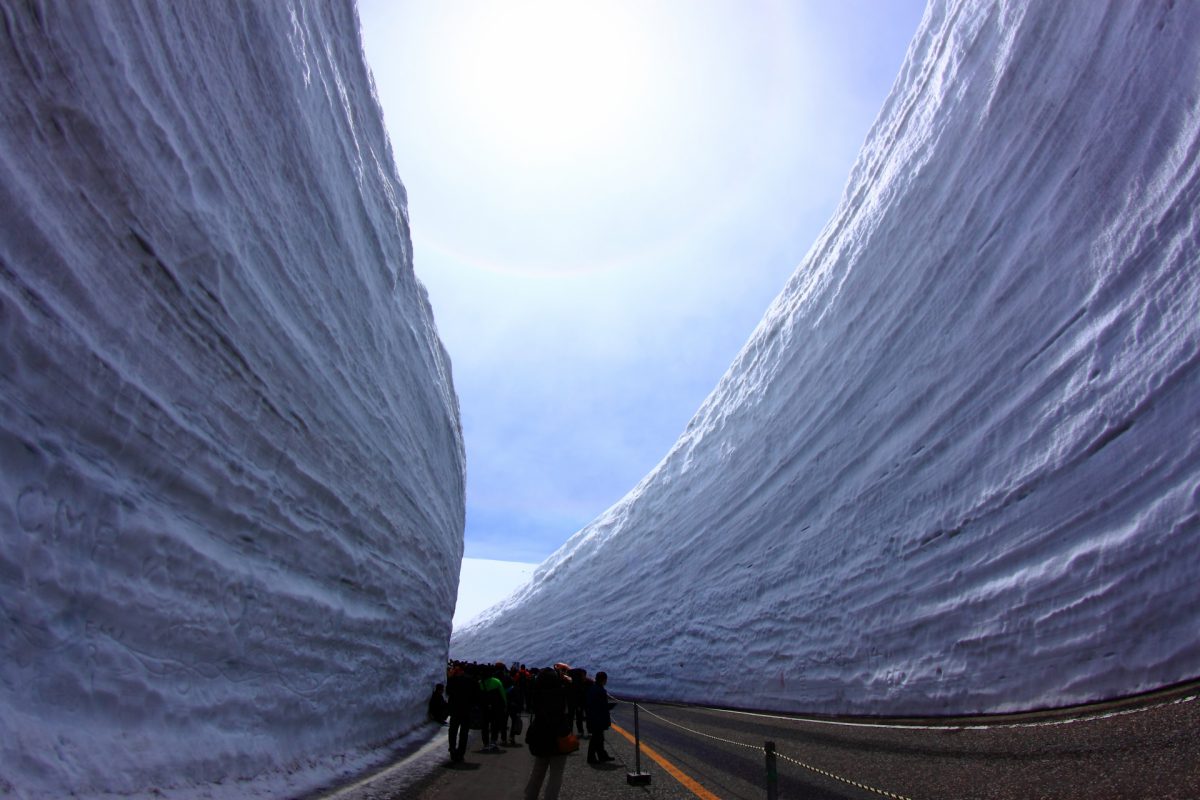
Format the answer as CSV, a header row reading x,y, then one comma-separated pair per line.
x,y
1145,748
1150,748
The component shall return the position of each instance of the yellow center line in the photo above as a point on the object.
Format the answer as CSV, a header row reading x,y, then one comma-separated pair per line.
x,y
688,782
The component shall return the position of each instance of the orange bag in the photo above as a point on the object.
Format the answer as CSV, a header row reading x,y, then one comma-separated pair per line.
x,y
568,743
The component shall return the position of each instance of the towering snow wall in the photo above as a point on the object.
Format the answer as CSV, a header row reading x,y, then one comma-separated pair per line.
x,y
957,466
231,471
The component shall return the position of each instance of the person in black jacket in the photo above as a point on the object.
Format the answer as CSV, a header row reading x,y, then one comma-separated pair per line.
x,y
516,702
577,699
550,721
599,719
438,708
463,691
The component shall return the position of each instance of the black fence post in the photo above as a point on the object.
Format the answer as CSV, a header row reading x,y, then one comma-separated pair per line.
x,y
772,774
637,777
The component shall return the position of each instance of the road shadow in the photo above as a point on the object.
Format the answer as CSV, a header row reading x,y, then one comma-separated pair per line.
x,y
488,752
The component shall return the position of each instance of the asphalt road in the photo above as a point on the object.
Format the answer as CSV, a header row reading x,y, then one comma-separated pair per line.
x,y
1144,749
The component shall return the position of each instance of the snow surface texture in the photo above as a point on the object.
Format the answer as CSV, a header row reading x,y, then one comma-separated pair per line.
x,y
957,466
231,470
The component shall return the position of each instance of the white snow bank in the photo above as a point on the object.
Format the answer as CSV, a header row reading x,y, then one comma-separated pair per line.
x,y
231,469
957,466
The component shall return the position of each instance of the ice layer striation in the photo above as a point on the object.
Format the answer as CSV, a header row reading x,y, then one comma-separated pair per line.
x,y
956,468
231,469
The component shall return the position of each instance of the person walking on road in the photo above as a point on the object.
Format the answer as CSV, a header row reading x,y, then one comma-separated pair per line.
x,y
550,721
495,711
577,697
462,690
516,702
438,708
599,719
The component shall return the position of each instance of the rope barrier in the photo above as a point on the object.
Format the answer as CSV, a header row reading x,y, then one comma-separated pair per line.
x,y
979,727
819,771
698,733
882,792
796,761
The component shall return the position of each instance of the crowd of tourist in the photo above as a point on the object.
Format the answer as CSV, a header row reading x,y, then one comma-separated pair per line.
x,y
564,704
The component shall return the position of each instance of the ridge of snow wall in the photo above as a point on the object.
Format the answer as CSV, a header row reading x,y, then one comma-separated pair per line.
x,y
956,468
231,466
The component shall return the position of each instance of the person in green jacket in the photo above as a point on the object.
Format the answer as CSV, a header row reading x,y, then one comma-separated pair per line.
x,y
495,711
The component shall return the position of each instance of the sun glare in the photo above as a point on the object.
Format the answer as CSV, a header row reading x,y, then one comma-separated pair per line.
x,y
567,137
549,80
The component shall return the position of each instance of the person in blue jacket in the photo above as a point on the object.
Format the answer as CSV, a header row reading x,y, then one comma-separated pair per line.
x,y
599,719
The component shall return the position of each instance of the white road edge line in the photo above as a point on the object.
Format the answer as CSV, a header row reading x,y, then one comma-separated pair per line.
x,y
894,726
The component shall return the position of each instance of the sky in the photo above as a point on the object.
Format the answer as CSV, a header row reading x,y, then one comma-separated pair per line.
x,y
605,197
484,582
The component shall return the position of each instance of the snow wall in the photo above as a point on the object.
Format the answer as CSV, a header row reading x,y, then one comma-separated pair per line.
x,y
956,467
231,470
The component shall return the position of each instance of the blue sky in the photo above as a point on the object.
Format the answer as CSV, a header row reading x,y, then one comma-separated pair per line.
x,y
605,197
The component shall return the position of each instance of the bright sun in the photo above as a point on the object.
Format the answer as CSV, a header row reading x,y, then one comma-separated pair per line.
x,y
549,80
